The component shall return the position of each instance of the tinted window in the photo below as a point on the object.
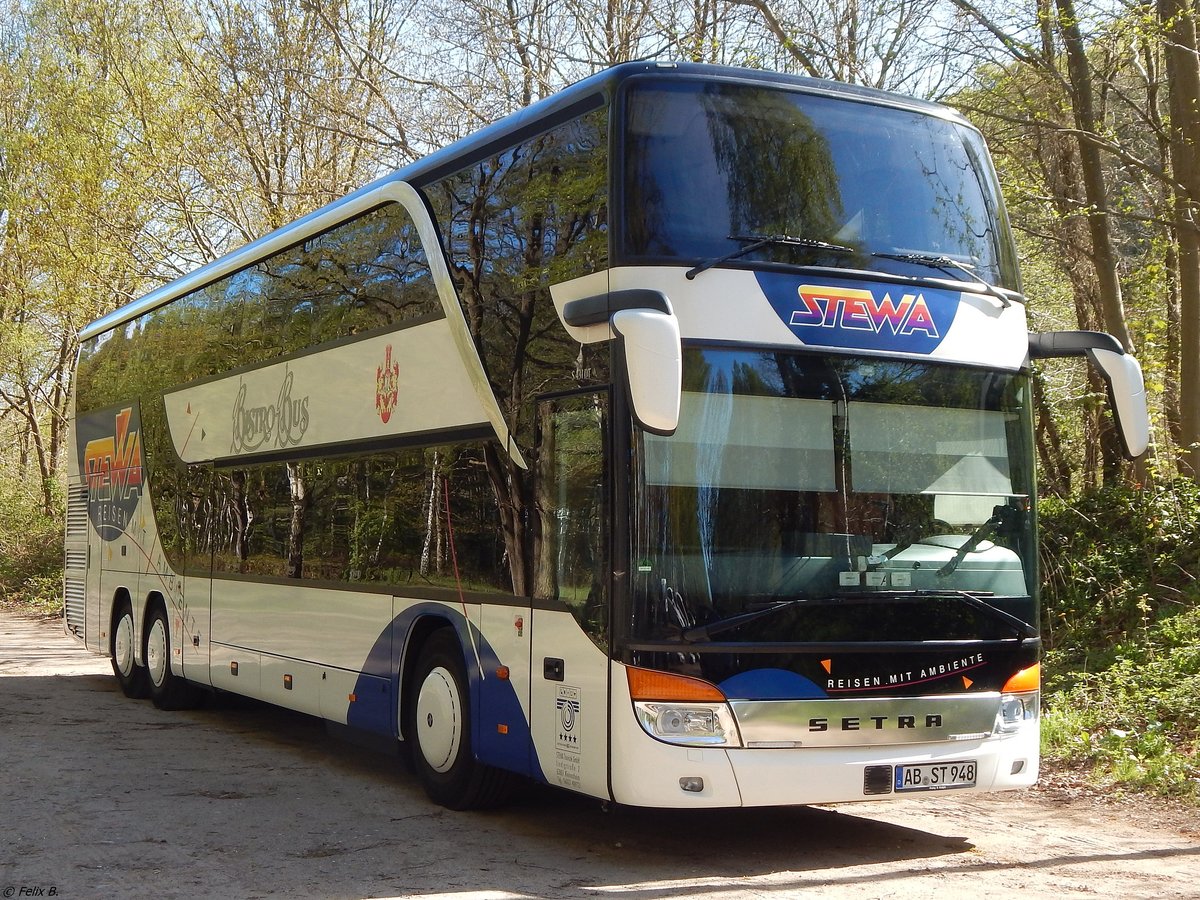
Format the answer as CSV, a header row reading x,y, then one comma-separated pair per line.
x,y
707,162
400,518
514,224
368,273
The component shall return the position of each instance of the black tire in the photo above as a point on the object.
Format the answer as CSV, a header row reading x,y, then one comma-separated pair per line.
x,y
438,727
167,690
132,678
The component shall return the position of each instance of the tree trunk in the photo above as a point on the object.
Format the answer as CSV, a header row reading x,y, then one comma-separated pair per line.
x,y
433,526
1091,165
1183,75
299,496
238,510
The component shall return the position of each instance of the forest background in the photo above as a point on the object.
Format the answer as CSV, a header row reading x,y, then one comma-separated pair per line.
x,y
143,138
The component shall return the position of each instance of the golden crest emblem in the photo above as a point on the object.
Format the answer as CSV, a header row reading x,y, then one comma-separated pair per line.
x,y
387,386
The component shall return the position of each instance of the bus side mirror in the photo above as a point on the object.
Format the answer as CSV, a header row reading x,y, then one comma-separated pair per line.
x,y
645,325
653,366
1127,394
1121,373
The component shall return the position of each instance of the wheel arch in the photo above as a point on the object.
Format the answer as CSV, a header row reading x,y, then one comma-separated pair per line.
x,y
418,634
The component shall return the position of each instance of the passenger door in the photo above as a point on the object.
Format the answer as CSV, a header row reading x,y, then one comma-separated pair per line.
x,y
570,663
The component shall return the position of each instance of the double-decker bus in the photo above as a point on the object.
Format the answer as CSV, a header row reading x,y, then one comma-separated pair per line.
x,y
668,441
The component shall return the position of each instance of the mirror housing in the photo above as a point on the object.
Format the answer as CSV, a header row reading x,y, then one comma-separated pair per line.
x,y
1122,376
647,332
653,366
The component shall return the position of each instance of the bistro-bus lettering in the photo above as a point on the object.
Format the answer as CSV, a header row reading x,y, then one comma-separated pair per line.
x,y
282,424
858,310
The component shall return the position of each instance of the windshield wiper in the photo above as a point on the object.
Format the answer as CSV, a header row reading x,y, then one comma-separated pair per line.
x,y
1023,629
946,262
704,632
758,241
1003,516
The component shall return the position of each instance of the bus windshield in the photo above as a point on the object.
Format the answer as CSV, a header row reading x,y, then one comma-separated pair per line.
x,y
836,481
712,167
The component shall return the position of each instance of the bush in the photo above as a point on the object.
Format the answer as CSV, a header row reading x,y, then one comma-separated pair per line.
x,y
1122,621
1138,721
1115,562
31,552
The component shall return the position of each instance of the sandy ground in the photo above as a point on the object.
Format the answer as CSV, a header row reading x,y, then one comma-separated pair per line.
x,y
101,796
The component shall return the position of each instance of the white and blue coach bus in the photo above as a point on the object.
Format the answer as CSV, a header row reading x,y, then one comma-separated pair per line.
x,y
668,441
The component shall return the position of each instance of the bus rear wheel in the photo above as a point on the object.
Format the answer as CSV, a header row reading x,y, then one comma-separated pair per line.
x,y
438,723
167,690
132,678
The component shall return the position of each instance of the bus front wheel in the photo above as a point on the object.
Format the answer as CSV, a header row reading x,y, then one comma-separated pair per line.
x,y
439,726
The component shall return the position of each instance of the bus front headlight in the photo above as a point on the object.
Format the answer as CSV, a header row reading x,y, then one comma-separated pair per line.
x,y
1016,710
681,710
1020,700
689,723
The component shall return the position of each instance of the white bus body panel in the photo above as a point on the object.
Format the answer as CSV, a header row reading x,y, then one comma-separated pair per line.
x,y
569,718
508,630
197,592
312,634
327,397
835,774
731,305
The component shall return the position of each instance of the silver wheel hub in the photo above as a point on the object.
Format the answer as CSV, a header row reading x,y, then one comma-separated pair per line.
x,y
439,720
123,645
156,653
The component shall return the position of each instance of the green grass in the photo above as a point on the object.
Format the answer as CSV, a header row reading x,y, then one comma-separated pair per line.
x,y
1121,695
1136,722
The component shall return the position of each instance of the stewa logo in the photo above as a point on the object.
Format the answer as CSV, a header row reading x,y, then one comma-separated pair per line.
x,y
861,316
387,386
112,468
824,307
277,425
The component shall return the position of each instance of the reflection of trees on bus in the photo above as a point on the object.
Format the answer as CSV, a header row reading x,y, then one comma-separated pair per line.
x,y
780,173
514,224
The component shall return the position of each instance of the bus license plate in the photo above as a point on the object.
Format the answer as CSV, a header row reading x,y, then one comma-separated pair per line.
x,y
936,776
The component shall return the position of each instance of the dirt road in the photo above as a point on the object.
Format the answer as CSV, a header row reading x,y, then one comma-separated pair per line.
x,y
101,796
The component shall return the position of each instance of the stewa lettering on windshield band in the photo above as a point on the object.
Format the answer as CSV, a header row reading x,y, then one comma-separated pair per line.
x,y
860,315
859,310
280,425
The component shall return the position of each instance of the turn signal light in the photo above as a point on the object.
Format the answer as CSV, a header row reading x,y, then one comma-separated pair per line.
x,y
645,684
1026,680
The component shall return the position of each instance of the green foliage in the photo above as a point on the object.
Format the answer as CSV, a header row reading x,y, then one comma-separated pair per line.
x,y
1123,626
1137,722
1115,561
31,550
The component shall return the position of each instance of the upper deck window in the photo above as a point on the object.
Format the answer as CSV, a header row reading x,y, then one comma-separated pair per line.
x,y
709,162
